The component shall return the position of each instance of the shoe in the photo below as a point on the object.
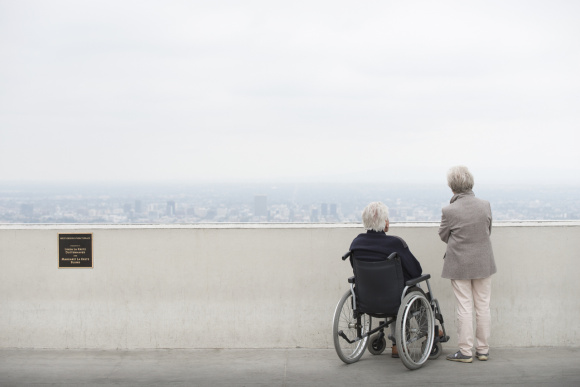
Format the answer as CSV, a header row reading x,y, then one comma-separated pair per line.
x,y
395,352
481,356
458,356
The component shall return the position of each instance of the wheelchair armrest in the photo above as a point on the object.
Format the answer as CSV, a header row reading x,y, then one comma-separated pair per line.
x,y
351,280
345,256
415,281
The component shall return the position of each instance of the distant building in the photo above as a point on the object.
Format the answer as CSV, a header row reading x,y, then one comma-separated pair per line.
x,y
260,205
170,208
314,215
333,211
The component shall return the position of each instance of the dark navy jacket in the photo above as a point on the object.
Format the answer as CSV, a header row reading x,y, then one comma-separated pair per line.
x,y
377,245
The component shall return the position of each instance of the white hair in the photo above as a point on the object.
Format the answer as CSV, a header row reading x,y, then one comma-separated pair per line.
x,y
374,216
459,179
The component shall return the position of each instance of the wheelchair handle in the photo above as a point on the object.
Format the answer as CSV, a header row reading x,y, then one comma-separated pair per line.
x,y
345,256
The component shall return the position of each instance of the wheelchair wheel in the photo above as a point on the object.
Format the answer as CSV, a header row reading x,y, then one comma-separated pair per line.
x,y
345,321
376,345
435,351
414,331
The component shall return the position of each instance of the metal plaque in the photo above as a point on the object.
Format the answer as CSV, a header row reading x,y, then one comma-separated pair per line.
x,y
75,251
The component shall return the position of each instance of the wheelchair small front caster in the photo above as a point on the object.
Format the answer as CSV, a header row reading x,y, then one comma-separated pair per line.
x,y
435,350
377,344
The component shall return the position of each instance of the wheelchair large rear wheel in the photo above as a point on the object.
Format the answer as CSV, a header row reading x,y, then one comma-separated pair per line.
x,y
415,330
345,321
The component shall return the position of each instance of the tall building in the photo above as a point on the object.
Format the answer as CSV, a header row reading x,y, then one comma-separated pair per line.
x,y
260,205
333,209
314,215
138,206
170,208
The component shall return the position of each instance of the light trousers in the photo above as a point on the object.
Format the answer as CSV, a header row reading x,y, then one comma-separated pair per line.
x,y
468,293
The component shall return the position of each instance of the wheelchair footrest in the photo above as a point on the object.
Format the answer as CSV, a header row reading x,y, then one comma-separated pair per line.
x,y
441,339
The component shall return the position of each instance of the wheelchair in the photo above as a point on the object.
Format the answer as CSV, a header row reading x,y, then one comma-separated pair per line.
x,y
378,290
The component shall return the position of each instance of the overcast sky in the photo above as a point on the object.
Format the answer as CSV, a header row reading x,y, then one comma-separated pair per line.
x,y
273,90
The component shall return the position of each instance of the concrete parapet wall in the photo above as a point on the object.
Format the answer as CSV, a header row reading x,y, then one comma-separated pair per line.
x,y
257,286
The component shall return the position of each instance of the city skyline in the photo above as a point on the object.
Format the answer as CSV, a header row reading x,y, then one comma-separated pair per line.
x,y
292,202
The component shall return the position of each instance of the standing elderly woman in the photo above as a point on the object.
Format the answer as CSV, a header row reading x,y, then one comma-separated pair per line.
x,y
469,262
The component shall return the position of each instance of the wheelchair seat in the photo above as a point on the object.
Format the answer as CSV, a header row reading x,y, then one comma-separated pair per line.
x,y
379,284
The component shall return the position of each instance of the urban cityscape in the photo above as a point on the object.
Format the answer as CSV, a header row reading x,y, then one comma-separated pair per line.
x,y
274,203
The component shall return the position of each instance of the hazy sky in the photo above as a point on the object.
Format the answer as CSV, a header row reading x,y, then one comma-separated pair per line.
x,y
325,90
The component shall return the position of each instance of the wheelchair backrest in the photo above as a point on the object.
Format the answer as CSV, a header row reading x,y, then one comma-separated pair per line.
x,y
378,283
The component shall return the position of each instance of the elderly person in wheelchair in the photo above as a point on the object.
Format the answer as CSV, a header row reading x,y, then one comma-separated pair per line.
x,y
376,245
387,286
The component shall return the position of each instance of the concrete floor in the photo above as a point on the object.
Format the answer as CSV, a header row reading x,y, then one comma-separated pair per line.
x,y
280,367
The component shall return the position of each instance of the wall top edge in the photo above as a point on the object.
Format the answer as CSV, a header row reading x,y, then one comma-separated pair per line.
x,y
6,226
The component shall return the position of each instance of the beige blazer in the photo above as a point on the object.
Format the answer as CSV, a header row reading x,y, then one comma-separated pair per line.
x,y
466,228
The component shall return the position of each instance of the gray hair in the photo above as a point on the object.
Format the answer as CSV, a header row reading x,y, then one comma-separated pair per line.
x,y
459,179
375,216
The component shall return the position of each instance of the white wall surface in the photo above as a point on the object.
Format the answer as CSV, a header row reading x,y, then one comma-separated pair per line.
x,y
257,286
